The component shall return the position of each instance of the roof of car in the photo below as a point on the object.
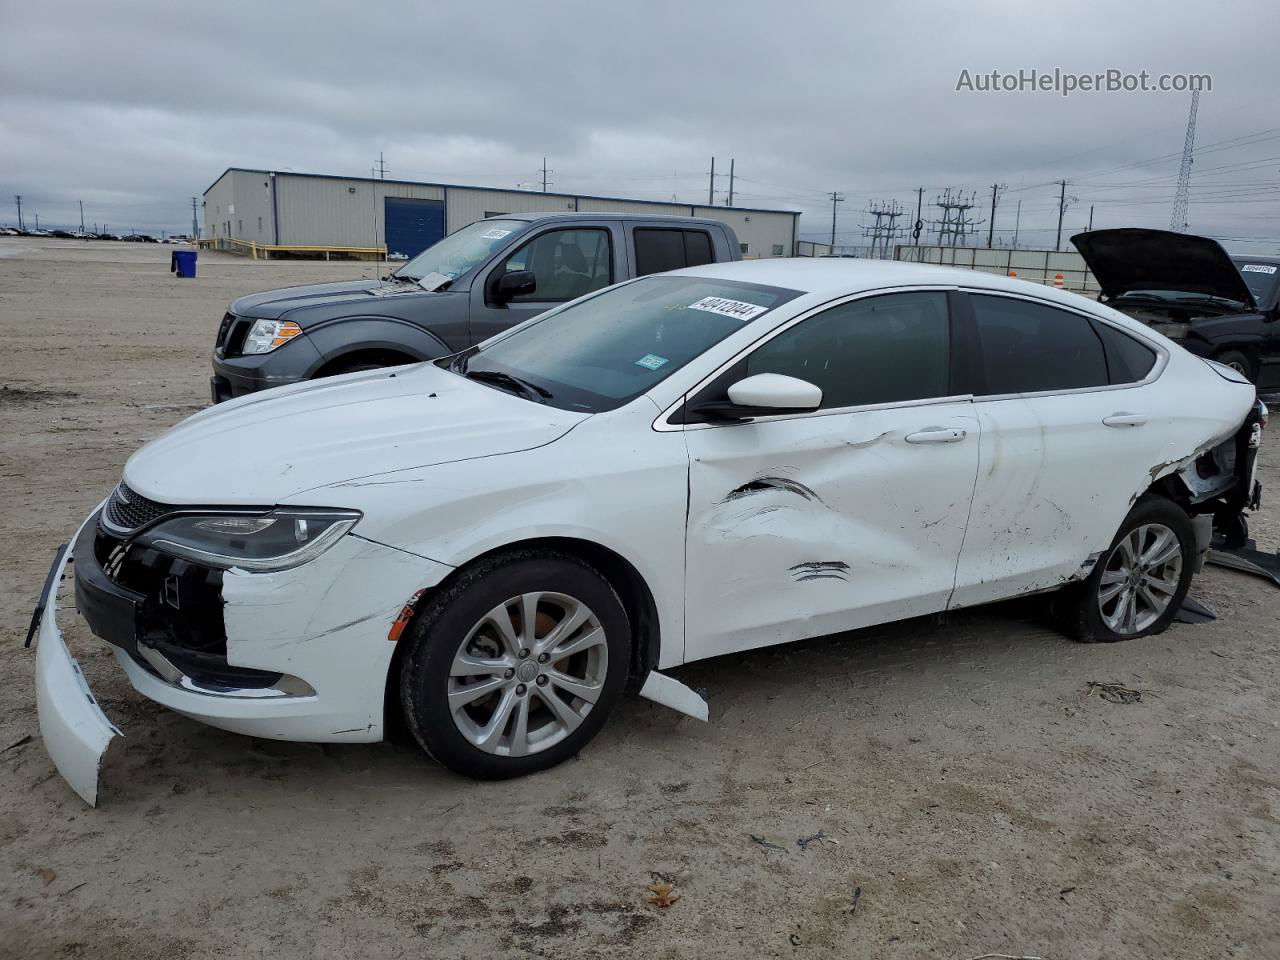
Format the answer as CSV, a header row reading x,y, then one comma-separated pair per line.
x,y
836,277
594,215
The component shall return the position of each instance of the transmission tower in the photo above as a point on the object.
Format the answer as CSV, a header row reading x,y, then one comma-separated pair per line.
x,y
1182,196
956,224
884,230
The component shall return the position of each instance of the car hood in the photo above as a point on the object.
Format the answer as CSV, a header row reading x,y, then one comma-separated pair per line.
x,y
312,301
1131,258
267,447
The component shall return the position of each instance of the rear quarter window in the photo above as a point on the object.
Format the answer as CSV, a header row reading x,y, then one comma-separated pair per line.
x,y
1128,361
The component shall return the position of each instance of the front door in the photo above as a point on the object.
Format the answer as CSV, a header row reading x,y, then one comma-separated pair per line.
x,y
813,523
566,263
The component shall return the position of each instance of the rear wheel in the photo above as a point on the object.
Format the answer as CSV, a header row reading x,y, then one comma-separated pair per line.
x,y
516,665
1137,586
1239,361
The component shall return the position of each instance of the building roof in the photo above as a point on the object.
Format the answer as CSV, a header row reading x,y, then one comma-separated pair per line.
x,y
464,186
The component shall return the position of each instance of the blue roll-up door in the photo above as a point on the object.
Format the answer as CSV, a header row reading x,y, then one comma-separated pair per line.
x,y
412,225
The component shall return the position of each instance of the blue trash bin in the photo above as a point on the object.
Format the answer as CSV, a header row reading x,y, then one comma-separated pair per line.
x,y
183,263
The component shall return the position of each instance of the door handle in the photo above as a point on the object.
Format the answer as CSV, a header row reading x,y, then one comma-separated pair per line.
x,y
1125,420
936,435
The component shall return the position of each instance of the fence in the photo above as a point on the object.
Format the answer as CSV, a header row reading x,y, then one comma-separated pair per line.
x,y
264,251
1051,267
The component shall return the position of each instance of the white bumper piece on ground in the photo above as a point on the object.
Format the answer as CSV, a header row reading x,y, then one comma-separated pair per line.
x,y
75,731
662,689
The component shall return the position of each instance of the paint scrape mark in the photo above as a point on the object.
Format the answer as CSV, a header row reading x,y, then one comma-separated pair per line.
x,y
764,484
859,444
819,570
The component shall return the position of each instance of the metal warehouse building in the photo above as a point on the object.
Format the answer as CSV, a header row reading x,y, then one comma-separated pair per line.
x,y
261,212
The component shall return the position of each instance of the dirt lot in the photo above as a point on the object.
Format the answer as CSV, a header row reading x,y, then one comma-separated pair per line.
x,y
972,791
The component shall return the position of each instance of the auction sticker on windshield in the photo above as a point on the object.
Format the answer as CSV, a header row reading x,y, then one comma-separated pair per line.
x,y
494,234
651,361
738,309
1258,268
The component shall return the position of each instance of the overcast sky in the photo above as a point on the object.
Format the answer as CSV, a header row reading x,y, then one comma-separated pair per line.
x,y
134,108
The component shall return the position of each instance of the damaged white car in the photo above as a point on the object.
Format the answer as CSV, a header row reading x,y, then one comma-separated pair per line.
x,y
499,544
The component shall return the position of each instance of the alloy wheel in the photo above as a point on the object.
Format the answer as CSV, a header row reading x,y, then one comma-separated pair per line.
x,y
528,673
1140,579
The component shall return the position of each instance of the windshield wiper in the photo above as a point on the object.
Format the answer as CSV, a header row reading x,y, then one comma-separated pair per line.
x,y
505,381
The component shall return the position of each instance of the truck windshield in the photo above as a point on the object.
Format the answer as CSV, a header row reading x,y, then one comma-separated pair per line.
x,y
1259,277
599,353
461,251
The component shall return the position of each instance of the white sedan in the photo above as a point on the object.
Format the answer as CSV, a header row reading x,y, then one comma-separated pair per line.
x,y
498,544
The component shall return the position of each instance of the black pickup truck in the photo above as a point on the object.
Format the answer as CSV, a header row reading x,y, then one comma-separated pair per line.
x,y
1217,306
474,283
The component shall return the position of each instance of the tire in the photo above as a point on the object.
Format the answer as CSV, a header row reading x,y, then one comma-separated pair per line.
x,y
1240,361
460,674
1094,611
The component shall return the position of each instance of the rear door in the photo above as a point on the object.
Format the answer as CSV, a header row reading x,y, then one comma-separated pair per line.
x,y
812,523
1068,433
657,248
567,262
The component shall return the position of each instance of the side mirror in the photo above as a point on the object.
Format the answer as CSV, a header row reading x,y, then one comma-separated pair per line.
x,y
763,395
517,283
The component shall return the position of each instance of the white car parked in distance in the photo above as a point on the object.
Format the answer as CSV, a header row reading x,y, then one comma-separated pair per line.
x,y
674,468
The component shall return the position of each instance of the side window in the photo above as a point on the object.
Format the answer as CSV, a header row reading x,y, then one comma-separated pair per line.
x,y
1028,347
1128,361
878,350
565,263
777,249
659,250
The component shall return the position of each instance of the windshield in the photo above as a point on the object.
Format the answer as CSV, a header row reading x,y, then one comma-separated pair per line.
x,y
1258,277
462,251
599,353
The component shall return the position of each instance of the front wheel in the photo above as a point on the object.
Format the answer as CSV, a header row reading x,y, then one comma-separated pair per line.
x,y
515,665
1137,586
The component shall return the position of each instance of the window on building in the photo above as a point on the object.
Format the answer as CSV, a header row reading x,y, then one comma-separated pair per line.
x,y
1028,347
743,248
777,249
660,249
565,263
885,349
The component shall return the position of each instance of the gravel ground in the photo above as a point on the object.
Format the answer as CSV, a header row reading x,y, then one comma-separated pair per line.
x,y
974,792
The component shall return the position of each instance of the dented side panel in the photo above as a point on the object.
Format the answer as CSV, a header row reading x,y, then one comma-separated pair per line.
x,y
1055,482
811,525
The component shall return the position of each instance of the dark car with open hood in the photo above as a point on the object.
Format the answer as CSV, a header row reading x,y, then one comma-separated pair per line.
x,y
1189,289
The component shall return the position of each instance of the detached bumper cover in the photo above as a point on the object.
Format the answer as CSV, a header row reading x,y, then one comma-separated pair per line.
x,y
75,731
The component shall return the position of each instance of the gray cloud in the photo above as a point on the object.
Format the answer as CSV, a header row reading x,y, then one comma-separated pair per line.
x,y
136,108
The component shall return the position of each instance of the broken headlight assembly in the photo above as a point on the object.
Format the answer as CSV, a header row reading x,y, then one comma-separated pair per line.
x,y
259,543
1174,331
265,335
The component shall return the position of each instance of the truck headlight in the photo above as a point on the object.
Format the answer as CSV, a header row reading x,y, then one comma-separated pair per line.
x,y
1174,331
260,543
265,335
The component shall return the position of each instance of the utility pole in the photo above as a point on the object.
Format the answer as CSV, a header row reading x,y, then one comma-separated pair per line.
x,y
729,200
382,166
919,224
835,198
1090,217
711,190
195,220
18,197
38,221
956,224
881,233
1017,222
82,216
996,189
1182,196
545,171
1063,202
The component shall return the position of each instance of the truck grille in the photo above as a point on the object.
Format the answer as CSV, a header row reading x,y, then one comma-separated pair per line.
x,y
128,511
231,334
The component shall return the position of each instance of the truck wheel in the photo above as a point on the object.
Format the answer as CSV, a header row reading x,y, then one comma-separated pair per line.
x,y
1239,361
1137,586
516,665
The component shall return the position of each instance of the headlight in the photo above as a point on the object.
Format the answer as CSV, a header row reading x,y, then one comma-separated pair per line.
x,y
1174,331
277,540
265,335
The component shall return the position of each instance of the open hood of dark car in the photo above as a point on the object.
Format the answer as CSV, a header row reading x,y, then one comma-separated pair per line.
x,y
1132,258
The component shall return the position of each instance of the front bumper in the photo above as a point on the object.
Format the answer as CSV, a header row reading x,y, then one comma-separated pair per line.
x,y
307,652
237,376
